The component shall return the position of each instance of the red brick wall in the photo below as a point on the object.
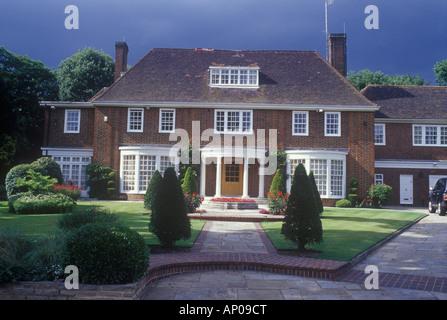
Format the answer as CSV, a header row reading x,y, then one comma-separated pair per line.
x,y
391,177
106,137
54,129
399,145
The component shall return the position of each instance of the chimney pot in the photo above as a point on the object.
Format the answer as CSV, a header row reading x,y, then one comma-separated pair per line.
x,y
337,52
121,50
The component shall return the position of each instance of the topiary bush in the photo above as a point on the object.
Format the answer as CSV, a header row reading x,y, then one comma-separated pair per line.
x,y
169,219
152,189
51,168
99,178
343,203
317,197
81,216
107,253
29,203
302,222
19,171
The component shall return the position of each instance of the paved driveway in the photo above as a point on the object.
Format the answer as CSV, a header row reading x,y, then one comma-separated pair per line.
x,y
420,251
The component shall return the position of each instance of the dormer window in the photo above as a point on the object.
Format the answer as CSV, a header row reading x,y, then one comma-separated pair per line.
x,y
234,77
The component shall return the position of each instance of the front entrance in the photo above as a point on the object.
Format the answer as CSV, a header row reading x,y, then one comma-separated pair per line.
x,y
406,189
232,178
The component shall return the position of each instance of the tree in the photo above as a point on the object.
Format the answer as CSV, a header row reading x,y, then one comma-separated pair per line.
x,y
302,223
169,219
363,78
278,183
152,189
440,70
189,185
318,202
83,74
23,83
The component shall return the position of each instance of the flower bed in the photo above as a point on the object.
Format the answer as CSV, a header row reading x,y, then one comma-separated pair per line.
x,y
237,200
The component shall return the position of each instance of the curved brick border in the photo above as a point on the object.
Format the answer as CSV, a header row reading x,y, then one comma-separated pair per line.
x,y
165,265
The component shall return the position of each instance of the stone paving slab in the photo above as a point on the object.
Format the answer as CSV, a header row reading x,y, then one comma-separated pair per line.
x,y
411,266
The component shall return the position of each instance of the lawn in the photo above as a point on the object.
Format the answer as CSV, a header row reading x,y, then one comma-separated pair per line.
x,y
347,232
131,214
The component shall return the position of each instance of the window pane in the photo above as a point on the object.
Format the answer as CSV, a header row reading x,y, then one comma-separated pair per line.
x,y
243,76
166,162
336,177
215,79
128,172
444,135
224,76
378,134
72,121
294,163
246,121
431,134
319,168
135,120
417,135
233,121
167,120
300,123
332,123
253,77
147,168
220,121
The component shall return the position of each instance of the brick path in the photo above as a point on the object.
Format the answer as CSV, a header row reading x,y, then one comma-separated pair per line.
x,y
213,251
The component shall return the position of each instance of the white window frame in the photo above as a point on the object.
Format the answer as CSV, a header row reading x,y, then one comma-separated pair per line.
x,y
338,133
383,142
78,122
241,122
160,153
129,111
306,157
294,123
424,128
378,179
160,121
234,77
84,158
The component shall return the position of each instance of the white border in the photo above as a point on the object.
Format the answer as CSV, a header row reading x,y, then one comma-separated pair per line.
x,y
293,123
159,121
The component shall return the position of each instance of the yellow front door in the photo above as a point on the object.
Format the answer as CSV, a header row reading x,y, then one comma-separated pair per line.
x,y
232,178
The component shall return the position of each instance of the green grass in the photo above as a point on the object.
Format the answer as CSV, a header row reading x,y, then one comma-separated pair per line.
x,y
131,214
347,232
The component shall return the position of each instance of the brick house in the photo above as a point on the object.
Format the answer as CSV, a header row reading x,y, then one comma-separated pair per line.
x,y
233,106
410,139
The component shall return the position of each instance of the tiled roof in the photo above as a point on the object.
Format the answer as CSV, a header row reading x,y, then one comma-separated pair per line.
x,y
182,75
408,102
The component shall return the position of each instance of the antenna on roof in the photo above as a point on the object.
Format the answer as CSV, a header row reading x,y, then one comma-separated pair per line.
x,y
326,3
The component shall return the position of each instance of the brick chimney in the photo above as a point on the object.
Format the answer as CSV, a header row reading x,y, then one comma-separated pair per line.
x,y
337,52
121,51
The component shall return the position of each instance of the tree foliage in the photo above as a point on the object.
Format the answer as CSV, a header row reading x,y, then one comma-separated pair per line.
x,y
152,189
302,223
363,78
440,70
318,202
23,83
83,74
169,219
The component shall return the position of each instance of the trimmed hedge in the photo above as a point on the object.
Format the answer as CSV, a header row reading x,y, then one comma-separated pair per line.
x,y
107,253
79,217
28,203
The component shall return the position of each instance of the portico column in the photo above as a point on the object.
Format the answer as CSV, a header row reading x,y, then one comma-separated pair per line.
x,y
261,179
245,179
218,177
202,176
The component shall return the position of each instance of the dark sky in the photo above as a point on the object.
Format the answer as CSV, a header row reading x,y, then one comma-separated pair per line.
x,y
411,38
